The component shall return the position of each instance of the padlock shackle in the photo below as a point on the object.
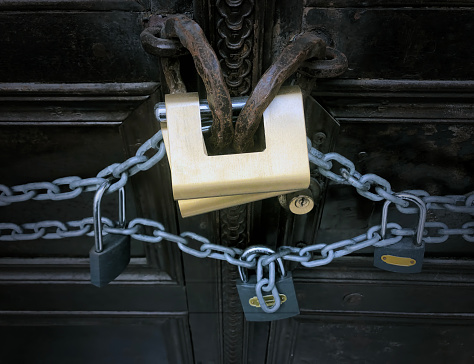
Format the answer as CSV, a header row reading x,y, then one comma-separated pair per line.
x,y
122,207
421,221
97,216
250,252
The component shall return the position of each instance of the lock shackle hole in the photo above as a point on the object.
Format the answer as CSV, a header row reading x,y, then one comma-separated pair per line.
x,y
97,216
421,222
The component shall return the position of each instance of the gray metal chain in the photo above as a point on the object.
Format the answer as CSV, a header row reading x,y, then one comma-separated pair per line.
x,y
71,187
383,191
348,175
151,231
310,256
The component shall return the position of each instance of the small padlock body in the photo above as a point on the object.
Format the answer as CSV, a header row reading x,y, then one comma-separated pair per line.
x,y
289,306
402,257
106,265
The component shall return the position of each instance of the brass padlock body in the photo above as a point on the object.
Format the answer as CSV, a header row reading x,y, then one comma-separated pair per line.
x,y
282,166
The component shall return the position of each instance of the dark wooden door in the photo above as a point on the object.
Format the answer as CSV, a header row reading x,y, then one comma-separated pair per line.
x,y
77,92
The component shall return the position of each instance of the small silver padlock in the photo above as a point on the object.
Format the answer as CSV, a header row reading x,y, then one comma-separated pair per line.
x,y
407,255
279,304
110,255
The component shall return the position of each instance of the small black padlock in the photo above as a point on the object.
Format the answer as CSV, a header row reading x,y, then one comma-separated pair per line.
x,y
407,255
110,255
284,290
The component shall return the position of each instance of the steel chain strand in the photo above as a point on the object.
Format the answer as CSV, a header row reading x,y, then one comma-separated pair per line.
x,y
386,241
128,164
5,191
48,186
449,202
197,253
289,254
470,201
403,232
414,210
302,255
7,196
147,223
249,264
286,252
43,227
150,144
460,231
342,243
363,244
19,232
81,230
65,181
442,233
441,238
319,261
350,176
220,251
346,163
261,300
353,180
77,185
363,183
469,236
271,274
466,208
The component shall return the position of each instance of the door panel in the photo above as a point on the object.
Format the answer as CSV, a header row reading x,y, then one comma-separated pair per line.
x,y
77,92
77,95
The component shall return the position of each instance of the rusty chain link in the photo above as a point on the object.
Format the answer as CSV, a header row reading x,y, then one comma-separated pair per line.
x,y
208,67
328,62
303,47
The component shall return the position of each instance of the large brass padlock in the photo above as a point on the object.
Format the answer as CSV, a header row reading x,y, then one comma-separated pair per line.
x,y
203,183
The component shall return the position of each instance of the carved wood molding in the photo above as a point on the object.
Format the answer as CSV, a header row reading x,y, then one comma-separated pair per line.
x,y
74,271
71,104
235,19
233,227
385,100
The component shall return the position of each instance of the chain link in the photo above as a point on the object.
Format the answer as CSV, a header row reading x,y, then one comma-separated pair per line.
x,y
154,232
140,162
70,187
151,231
383,191
463,204
441,234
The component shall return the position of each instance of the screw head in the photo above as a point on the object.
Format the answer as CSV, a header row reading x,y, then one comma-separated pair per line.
x,y
318,138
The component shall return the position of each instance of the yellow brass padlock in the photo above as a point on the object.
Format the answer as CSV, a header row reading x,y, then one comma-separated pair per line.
x,y
203,183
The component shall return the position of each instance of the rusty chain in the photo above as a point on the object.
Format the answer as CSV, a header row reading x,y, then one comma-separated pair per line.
x,y
301,51
302,48
207,65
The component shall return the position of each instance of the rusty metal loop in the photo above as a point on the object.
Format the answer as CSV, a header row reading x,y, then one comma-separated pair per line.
x,y
154,44
334,65
303,47
208,67
307,51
